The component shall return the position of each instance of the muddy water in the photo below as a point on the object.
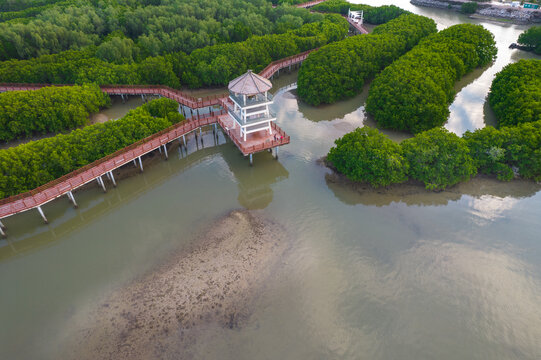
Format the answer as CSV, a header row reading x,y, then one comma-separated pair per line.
x,y
375,275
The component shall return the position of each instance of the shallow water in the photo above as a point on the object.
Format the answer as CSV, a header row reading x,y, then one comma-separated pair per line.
x,y
404,274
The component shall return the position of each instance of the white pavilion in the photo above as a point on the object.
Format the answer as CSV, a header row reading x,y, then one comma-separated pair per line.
x,y
251,100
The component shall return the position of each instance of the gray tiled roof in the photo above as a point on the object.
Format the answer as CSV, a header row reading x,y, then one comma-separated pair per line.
x,y
249,84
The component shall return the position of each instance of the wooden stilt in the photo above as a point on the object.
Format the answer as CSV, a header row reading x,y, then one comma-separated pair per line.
x,y
134,162
165,151
140,164
160,149
276,152
72,199
42,215
102,184
112,177
251,160
2,232
184,139
2,226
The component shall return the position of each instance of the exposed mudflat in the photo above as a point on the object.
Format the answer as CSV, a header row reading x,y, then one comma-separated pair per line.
x,y
212,284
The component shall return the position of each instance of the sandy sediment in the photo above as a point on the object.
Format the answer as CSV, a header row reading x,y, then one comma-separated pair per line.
x,y
212,284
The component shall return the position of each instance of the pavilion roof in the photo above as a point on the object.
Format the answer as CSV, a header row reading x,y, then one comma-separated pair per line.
x,y
249,84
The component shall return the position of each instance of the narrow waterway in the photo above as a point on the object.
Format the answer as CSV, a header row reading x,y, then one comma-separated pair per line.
x,y
367,274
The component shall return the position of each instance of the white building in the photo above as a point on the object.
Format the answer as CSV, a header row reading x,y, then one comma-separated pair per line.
x,y
251,100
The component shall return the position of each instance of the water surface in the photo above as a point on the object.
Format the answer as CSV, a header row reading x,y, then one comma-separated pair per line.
x,y
370,275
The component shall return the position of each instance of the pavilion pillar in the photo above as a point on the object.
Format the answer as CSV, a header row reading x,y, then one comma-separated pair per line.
x,y
251,160
276,152
2,232
42,215
140,164
184,139
2,226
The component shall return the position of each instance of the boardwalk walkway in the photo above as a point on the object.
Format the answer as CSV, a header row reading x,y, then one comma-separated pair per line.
x,y
358,27
66,184
173,94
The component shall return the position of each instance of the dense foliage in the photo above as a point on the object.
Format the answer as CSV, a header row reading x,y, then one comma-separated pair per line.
x,y
30,165
469,7
532,39
414,92
50,109
339,70
156,27
515,94
438,158
508,151
366,155
213,65
217,65
372,15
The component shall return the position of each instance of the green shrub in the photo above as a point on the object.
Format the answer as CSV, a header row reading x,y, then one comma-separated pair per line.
x,y
531,38
50,109
438,158
366,155
488,149
339,70
469,7
515,93
30,165
511,149
212,65
414,92
372,15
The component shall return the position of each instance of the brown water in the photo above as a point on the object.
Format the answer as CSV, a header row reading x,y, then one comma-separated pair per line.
x,y
401,274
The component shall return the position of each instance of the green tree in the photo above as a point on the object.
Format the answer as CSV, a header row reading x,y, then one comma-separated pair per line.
x,y
438,158
531,38
515,93
414,92
366,155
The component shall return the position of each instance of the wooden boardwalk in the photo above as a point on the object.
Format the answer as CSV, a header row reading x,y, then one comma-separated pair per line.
x,y
177,95
358,27
306,4
66,184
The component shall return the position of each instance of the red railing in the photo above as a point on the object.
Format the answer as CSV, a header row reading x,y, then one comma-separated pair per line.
x,y
310,3
307,4
64,184
356,25
274,66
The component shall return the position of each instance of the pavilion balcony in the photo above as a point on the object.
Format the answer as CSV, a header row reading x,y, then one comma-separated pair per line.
x,y
252,119
258,99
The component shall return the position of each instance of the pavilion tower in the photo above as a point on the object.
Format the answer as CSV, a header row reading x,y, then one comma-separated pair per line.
x,y
251,100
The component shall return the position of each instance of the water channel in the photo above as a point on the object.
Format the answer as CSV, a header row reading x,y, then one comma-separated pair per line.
x,y
368,274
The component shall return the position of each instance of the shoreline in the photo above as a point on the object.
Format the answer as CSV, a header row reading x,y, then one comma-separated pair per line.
x,y
488,11
413,192
211,284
